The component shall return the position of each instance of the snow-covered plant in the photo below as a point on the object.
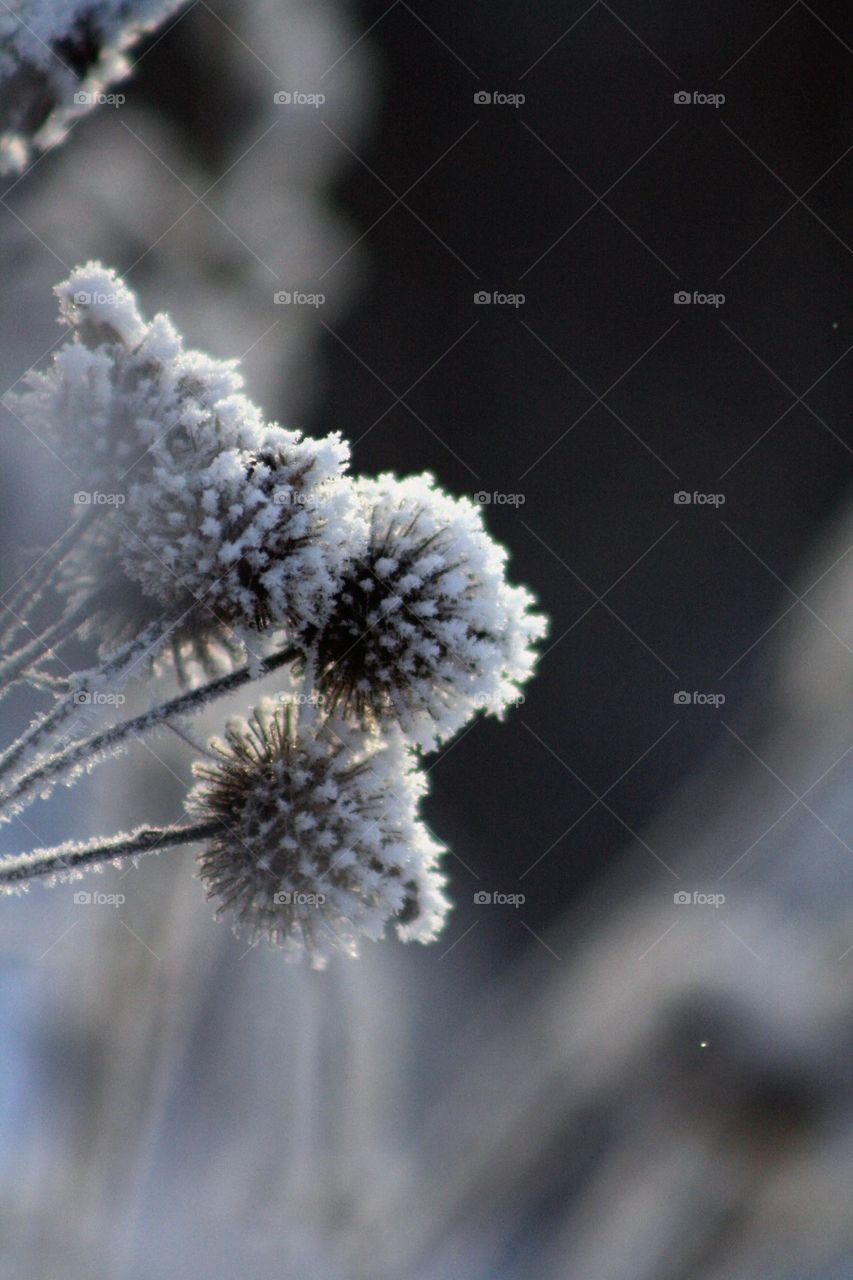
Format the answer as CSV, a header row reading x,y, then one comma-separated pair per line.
x,y
384,602
425,630
210,517
320,841
311,836
58,58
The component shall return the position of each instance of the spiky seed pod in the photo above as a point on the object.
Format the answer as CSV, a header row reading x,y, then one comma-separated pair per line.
x,y
321,844
119,386
254,538
205,512
122,395
425,630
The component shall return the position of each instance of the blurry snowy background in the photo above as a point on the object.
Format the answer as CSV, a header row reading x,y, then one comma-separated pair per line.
x,y
604,1083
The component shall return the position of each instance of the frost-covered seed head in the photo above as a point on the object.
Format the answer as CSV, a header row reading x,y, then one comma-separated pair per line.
x,y
321,843
256,537
120,386
426,630
208,513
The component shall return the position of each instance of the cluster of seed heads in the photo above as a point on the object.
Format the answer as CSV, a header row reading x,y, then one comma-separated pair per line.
x,y
224,539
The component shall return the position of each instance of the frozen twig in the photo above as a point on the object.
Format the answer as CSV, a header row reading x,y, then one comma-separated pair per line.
x,y
64,860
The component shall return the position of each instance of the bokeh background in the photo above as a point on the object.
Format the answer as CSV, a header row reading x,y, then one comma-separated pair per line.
x,y
604,1082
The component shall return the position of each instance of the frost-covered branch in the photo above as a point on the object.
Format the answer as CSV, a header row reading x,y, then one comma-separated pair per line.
x,y
57,61
16,666
23,597
84,755
86,687
64,861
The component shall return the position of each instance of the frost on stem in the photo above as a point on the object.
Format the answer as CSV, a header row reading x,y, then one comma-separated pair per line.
x,y
70,762
57,59
69,861
209,515
426,629
321,843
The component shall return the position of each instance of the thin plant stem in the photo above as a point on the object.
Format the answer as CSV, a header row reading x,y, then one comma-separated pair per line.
x,y
19,870
15,666
38,579
79,755
47,683
117,668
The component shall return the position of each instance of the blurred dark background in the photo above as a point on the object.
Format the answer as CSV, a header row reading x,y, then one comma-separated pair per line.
x,y
497,403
